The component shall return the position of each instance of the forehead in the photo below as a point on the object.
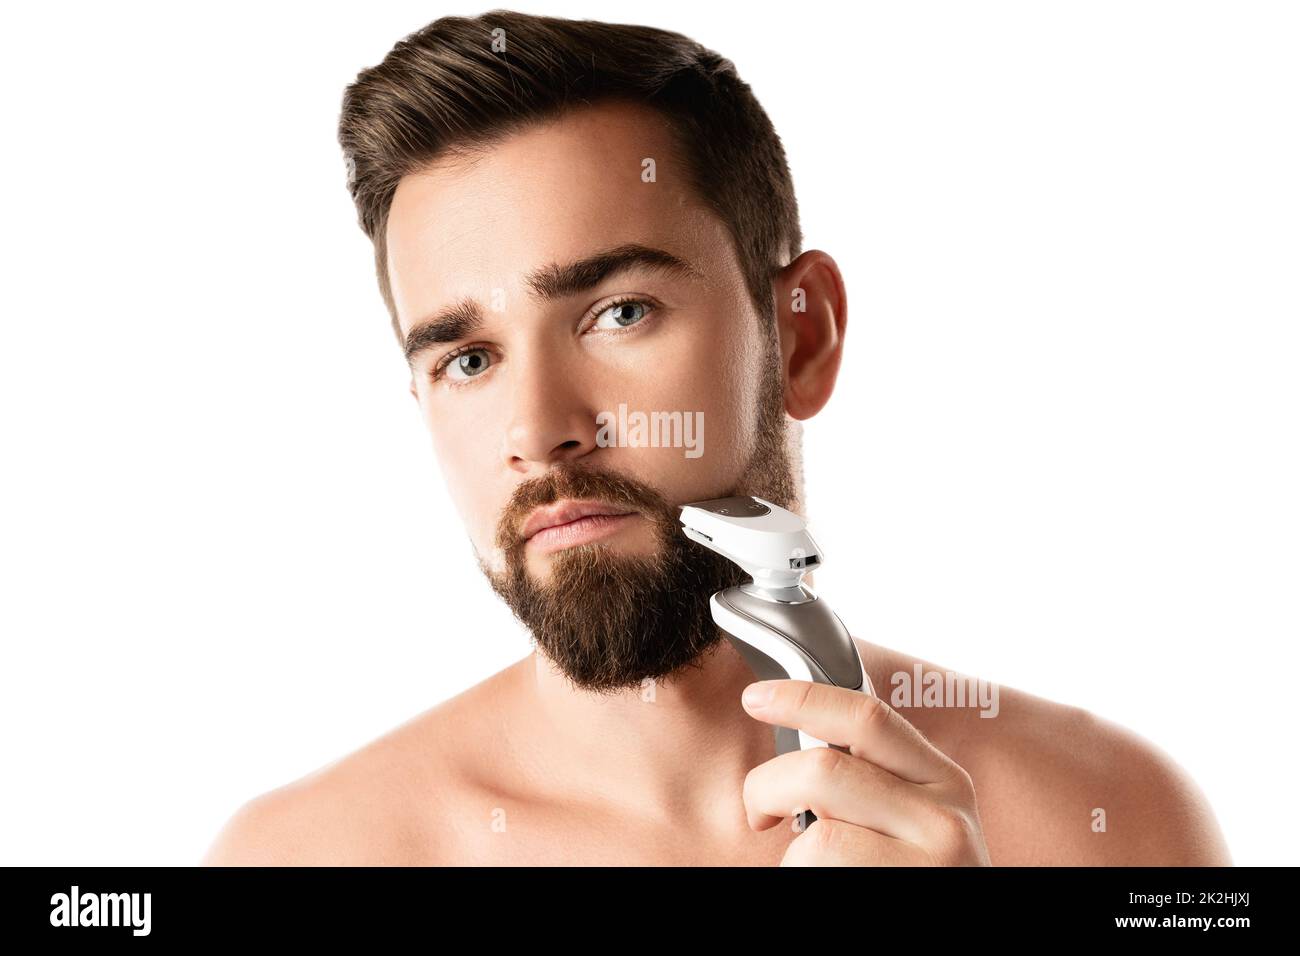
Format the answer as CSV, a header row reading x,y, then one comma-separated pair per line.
x,y
554,192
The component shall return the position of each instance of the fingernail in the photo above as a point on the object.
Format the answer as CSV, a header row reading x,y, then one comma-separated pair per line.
x,y
758,695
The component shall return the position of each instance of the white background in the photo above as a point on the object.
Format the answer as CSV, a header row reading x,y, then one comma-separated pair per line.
x,y
1062,455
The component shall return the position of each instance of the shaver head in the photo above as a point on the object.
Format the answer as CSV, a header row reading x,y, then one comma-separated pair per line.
x,y
771,544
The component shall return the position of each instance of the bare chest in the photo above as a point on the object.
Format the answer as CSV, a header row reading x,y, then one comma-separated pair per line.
x,y
527,835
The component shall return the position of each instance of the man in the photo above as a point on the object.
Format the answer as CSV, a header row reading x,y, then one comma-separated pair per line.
x,y
570,217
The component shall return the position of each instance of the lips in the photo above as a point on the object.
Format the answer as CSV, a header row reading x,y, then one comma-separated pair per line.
x,y
563,512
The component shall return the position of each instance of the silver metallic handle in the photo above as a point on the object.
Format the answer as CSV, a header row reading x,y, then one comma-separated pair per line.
x,y
802,639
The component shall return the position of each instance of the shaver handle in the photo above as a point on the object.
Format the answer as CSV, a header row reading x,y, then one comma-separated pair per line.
x,y
807,742
805,641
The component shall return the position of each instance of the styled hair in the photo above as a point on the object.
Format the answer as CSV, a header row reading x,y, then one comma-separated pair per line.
x,y
462,83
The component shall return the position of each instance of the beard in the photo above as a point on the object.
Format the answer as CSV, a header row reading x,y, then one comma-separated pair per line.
x,y
609,622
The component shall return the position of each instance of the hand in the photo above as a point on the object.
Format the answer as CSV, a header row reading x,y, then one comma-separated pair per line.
x,y
893,800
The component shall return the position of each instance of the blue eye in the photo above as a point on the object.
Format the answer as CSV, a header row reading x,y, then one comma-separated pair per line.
x,y
622,314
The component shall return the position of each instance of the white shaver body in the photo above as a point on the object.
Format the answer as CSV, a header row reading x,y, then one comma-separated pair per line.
x,y
777,624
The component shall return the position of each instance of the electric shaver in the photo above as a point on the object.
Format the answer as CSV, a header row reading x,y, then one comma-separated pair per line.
x,y
777,624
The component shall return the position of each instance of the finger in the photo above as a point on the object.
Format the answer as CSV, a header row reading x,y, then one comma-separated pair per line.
x,y
864,723
829,842
840,786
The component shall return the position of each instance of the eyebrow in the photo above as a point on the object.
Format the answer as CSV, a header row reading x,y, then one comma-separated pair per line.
x,y
555,281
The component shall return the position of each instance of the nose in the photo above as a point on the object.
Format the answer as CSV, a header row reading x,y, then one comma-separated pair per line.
x,y
550,420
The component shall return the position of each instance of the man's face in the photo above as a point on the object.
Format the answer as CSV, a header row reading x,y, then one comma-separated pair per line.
x,y
514,414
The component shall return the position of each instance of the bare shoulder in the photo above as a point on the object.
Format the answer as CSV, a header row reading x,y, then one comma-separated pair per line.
x,y
1058,785
304,823
1073,788
380,805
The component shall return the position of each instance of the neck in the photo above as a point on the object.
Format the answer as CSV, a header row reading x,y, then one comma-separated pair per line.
x,y
673,750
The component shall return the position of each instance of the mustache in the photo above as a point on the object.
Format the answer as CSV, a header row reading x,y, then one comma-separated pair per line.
x,y
570,481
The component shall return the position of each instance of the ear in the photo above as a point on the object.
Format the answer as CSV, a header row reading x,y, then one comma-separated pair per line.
x,y
811,313
414,394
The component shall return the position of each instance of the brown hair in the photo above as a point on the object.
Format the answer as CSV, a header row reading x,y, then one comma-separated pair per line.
x,y
445,90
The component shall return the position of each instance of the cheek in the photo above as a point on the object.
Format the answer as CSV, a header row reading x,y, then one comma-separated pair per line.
x,y
465,453
694,373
